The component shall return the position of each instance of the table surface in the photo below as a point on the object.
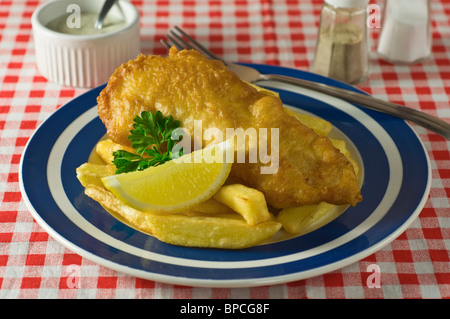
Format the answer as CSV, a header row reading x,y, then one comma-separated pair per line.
x,y
34,265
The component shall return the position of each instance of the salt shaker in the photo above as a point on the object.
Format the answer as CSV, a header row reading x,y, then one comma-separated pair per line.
x,y
342,50
405,36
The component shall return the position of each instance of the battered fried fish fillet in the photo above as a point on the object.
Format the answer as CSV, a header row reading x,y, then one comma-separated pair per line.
x,y
190,87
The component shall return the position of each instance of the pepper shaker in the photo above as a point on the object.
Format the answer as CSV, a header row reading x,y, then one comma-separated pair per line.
x,y
405,36
342,50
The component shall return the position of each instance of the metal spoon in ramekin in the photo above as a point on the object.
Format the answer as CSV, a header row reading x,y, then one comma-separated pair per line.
x,y
105,9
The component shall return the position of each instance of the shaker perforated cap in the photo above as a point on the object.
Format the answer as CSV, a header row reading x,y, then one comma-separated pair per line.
x,y
348,3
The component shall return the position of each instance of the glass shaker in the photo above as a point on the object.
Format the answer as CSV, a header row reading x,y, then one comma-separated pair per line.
x,y
405,36
342,50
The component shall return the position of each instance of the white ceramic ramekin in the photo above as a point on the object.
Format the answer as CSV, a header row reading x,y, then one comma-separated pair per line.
x,y
83,60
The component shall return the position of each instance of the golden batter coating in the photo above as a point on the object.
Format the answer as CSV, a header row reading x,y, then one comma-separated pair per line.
x,y
190,87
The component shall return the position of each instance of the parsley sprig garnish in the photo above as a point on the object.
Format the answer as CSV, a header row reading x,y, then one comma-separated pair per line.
x,y
151,137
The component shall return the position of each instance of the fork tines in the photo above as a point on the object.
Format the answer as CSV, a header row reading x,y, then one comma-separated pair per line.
x,y
181,40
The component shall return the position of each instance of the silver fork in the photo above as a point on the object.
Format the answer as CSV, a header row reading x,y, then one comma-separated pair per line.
x,y
181,40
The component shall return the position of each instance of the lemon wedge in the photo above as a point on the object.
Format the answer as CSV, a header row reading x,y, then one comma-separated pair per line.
x,y
176,185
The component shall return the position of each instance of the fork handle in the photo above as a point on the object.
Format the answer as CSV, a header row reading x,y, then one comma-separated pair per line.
x,y
423,119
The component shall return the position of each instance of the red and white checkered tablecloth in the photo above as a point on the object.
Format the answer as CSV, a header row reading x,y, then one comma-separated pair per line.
x,y
282,32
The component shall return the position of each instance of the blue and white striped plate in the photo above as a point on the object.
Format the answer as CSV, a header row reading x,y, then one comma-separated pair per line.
x,y
395,186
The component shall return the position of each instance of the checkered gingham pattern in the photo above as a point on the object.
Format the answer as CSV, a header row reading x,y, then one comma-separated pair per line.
x,y
282,32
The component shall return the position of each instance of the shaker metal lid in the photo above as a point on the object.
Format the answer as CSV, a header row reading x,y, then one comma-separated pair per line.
x,y
348,3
